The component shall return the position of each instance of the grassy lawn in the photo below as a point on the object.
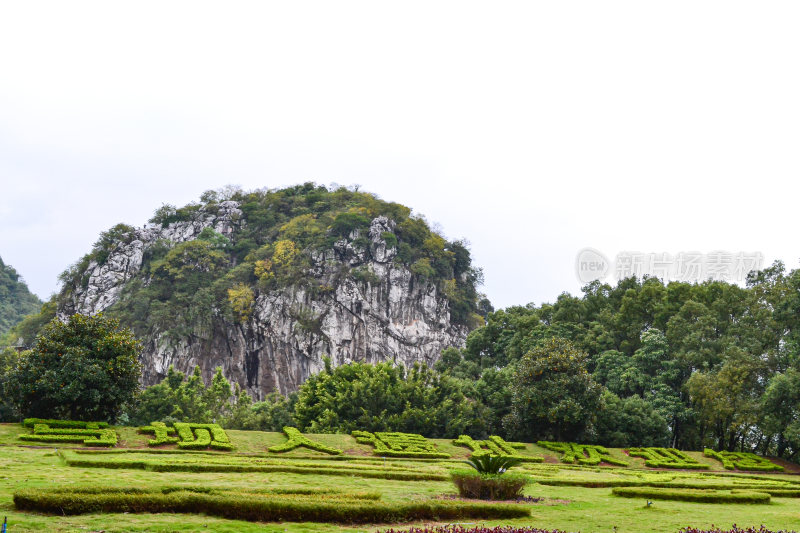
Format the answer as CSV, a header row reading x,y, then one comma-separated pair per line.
x,y
570,508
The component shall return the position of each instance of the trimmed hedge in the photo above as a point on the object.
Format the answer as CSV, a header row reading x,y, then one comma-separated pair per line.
x,y
584,454
472,484
396,444
742,461
76,424
666,458
495,446
781,493
190,436
596,484
201,436
87,433
692,495
156,466
590,484
253,506
297,439
161,432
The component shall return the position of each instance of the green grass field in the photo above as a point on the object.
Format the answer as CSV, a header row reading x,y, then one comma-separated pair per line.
x,y
575,498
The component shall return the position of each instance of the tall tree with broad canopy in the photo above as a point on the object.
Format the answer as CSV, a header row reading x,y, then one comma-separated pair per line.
x,y
554,396
83,369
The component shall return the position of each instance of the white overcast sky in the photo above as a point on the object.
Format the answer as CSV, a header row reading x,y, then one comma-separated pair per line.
x,y
533,129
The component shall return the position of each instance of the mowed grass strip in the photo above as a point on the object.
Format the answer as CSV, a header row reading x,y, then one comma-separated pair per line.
x,y
163,463
255,506
692,495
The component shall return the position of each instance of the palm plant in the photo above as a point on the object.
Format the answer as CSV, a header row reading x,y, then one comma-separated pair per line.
x,y
493,464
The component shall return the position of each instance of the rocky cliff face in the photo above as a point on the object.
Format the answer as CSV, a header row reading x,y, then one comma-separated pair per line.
x,y
384,313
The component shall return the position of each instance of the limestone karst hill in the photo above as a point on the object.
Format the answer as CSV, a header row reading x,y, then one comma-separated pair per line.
x,y
265,284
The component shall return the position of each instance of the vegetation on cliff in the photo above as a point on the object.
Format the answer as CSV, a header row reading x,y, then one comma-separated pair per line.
x,y
182,286
16,300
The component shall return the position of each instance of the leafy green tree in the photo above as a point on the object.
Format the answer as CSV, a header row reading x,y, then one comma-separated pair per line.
x,y
180,398
626,422
726,400
554,396
618,372
9,358
83,369
383,397
780,413
270,414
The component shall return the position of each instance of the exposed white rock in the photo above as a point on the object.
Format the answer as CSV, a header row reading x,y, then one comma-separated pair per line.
x,y
398,318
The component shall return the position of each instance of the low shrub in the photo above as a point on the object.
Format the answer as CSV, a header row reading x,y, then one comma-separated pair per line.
x,y
584,454
489,486
254,506
742,461
493,464
297,439
692,495
666,458
395,444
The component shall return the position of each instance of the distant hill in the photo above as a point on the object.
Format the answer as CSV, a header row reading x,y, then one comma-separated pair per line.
x,y
267,283
16,300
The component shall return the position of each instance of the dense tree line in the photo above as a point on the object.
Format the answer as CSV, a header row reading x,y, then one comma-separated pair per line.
x,y
640,363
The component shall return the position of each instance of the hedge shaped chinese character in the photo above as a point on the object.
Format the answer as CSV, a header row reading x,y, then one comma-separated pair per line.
x,y
201,436
742,461
666,458
297,440
496,447
584,454
161,432
394,444
87,433
75,424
